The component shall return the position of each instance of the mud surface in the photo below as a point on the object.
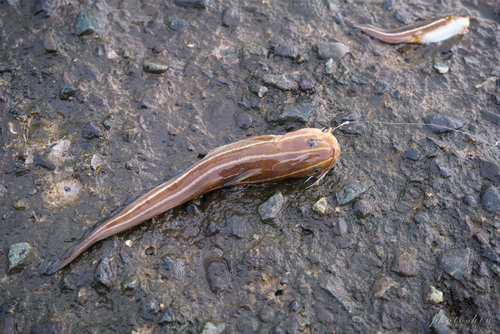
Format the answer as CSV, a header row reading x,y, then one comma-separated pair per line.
x,y
102,100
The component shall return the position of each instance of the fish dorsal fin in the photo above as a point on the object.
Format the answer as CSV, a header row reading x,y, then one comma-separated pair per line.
x,y
263,137
449,18
244,176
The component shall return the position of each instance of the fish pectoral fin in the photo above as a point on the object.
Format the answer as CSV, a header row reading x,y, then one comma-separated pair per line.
x,y
244,176
416,39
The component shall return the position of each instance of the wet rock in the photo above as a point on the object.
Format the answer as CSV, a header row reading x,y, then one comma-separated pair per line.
x,y
490,171
237,227
403,207
100,100
439,168
362,208
334,51
411,154
330,66
20,204
9,326
51,327
258,90
435,296
441,68
261,257
91,130
131,282
45,7
491,117
340,227
267,314
442,123
455,263
405,265
387,5
85,24
395,314
217,276
421,218
320,206
231,17
281,81
150,310
297,112
287,50
154,66
491,199
440,323
247,326
16,112
381,285
103,273
294,306
491,255
212,229
168,317
243,120
402,16
174,268
211,328
381,87
306,83
337,289
41,162
272,207
349,193
49,42
19,256
470,200
177,24
305,290
200,4
67,91
82,96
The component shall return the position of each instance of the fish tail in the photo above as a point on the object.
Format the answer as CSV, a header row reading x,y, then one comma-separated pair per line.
x,y
69,256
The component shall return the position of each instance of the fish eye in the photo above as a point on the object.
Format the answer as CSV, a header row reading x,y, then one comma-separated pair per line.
x,y
316,170
312,142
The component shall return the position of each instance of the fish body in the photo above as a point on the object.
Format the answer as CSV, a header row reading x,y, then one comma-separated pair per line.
x,y
430,31
305,152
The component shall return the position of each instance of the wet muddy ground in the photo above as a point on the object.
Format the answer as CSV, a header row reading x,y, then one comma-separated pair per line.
x,y
103,100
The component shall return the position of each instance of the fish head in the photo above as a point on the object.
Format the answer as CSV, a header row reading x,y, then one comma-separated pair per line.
x,y
461,23
317,152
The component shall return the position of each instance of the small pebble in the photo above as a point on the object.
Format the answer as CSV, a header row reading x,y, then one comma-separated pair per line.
x,y
294,306
91,130
435,296
362,208
155,67
421,218
212,229
20,204
455,263
491,199
177,24
441,68
243,120
231,17
411,154
272,207
258,90
320,206
19,255
306,83
405,265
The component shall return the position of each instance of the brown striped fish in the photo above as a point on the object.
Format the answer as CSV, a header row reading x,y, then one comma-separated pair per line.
x,y
429,31
306,152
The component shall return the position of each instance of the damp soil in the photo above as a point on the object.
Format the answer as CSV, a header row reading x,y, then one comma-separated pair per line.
x,y
103,100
